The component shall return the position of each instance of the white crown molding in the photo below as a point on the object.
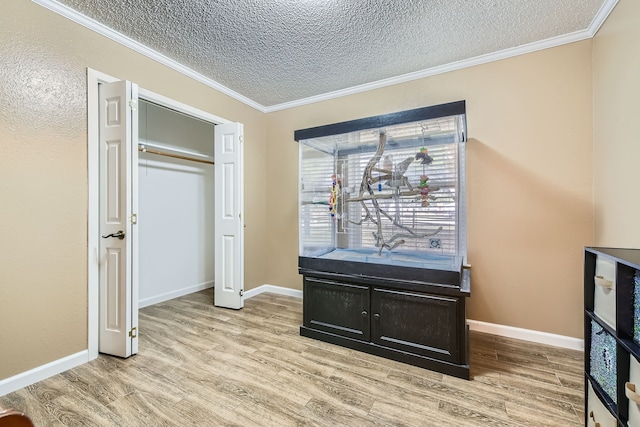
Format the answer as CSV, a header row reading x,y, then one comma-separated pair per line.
x,y
42,372
593,28
601,16
596,23
440,69
99,28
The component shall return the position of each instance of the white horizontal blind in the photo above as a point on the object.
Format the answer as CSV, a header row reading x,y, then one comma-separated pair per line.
x,y
316,223
407,210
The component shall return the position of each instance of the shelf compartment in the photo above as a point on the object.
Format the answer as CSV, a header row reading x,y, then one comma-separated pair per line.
x,y
603,360
636,306
632,392
597,414
605,289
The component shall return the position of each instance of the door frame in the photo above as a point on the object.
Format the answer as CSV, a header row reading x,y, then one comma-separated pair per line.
x,y
94,78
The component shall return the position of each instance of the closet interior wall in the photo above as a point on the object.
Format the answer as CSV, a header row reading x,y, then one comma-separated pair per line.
x,y
176,205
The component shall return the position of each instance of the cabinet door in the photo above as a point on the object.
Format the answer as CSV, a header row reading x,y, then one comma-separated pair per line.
x,y
338,308
417,323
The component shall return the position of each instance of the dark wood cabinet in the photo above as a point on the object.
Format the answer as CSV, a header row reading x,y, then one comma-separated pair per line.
x,y
344,309
417,323
422,323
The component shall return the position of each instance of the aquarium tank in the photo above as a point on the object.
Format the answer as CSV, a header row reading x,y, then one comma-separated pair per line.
x,y
386,190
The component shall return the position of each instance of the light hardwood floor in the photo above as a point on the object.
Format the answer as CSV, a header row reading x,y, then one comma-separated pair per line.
x,y
204,366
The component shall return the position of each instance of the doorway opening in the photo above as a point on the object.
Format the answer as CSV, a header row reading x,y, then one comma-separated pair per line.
x,y
175,204
218,220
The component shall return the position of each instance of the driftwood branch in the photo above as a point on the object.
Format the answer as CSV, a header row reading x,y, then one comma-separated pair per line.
x,y
395,179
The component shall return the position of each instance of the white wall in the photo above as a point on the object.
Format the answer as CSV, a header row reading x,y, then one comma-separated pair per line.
x,y
176,205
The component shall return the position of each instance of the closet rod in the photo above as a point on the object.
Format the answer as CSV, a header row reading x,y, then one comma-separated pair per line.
x,y
177,156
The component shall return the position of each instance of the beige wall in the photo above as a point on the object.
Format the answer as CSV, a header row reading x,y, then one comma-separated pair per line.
x,y
616,95
529,180
43,175
530,165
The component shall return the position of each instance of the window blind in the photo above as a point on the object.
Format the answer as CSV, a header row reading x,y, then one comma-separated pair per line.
x,y
407,211
316,223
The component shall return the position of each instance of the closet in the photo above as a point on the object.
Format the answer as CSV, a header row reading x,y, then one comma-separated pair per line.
x,y
176,204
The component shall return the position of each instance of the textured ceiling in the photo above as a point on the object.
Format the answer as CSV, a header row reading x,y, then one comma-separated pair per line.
x,y
278,51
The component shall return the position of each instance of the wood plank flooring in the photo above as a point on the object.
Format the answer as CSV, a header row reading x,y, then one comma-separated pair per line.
x,y
204,366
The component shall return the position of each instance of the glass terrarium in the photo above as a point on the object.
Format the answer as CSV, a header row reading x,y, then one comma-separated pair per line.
x,y
386,190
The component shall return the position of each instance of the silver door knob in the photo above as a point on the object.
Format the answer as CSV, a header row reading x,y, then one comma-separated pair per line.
x,y
119,235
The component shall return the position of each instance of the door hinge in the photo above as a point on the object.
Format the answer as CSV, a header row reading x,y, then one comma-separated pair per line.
x,y
241,292
133,104
241,138
133,219
133,333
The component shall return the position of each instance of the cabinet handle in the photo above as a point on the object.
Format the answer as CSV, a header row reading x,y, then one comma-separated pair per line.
x,y
630,392
364,313
376,316
601,281
594,419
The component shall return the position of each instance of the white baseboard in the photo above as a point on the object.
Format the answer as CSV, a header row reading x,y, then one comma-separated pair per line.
x,y
174,294
40,373
474,325
527,335
273,289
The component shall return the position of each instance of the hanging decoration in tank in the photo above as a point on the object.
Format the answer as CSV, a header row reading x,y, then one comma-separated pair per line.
x,y
424,156
393,176
336,194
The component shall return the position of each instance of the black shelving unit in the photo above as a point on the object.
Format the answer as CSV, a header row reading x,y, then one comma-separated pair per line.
x,y
611,348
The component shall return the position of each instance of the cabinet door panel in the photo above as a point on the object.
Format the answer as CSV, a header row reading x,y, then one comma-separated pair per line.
x,y
338,308
417,323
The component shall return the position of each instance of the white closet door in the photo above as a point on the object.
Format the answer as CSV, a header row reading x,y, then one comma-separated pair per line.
x,y
118,178
229,211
